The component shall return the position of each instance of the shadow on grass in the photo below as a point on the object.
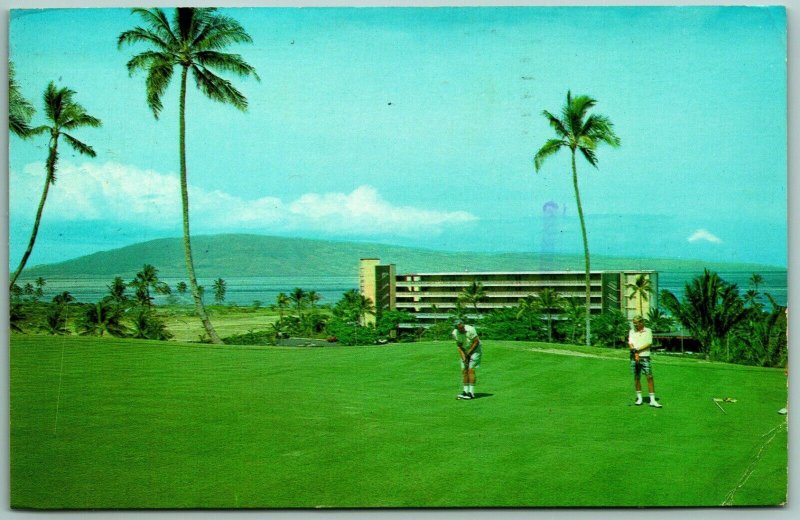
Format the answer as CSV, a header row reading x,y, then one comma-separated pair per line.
x,y
479,395
645,402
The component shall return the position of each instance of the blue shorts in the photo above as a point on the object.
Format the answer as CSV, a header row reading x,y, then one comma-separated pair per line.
x,y
643,365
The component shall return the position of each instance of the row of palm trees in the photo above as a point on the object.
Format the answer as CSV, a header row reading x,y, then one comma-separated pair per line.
x,y
191,42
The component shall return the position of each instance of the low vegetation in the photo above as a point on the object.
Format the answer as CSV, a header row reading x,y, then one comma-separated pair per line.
x,y
746,329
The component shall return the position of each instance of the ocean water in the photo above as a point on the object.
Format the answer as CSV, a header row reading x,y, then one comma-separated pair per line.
x,y
247,290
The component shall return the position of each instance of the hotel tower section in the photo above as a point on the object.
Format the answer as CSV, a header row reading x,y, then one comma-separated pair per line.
x,y
432,297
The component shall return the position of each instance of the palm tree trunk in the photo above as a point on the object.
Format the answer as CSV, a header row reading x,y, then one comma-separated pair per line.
x,y
585,250
51,169
187,245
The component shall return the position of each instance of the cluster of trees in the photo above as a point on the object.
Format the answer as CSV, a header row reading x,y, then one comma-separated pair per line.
x,y
730,326
299,313
118,313
191,42
348,321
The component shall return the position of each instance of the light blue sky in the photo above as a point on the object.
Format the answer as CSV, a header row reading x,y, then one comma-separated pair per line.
x,y
418,127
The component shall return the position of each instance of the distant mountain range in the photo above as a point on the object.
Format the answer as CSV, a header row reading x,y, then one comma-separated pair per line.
x,y
257,255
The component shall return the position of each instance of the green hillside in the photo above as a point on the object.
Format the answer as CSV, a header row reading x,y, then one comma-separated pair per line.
x,y
257,255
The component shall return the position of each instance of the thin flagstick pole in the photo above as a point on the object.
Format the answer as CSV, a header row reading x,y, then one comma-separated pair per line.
x,y
60,372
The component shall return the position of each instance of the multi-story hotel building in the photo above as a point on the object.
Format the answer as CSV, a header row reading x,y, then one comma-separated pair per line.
x,y
432,297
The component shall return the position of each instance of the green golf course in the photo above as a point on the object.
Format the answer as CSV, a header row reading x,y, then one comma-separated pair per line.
x,y
122,423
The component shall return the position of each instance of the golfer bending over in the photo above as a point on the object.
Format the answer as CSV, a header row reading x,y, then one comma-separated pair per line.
x,y
640,339
469,348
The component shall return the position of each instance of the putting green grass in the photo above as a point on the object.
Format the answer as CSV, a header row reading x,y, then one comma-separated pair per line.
x,y
107,423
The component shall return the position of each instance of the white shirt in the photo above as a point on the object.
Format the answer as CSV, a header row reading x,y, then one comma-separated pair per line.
x,y
465,340
641,339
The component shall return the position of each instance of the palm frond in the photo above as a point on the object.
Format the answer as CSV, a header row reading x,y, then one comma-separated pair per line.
x,y
147,59
219,32
217,88
556,124
589,154
54,100
158,78
39,130
549,148
80,118
141,35
584,141
188,21
20,110
79,146
575,111
227,62
600,128
776,307
158,23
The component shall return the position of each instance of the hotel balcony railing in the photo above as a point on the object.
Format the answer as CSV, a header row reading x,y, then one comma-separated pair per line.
x,y
530,283
489,294
482,305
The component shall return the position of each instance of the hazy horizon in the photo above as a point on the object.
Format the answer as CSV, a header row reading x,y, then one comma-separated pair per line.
x,y
403,246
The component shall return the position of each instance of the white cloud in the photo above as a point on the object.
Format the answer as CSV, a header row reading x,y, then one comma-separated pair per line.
x,y
705,236
126,194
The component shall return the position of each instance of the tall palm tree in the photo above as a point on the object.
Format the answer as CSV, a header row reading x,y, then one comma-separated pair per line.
x,y
528,309
56,319
640,289
63,299
313,298
658,320
283,301
550,302
147,279
63,114
220,288
116,291
361,307
20,110
299,297
578,131
191,41
473,294
354,307
756,280
574,314
40,283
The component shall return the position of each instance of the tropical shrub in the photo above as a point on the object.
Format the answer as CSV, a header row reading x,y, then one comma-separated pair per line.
x,y
351,333
710,309
101,318
610,329
146,325
504,324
